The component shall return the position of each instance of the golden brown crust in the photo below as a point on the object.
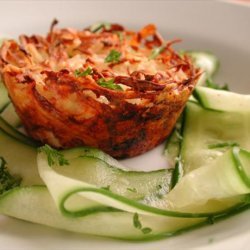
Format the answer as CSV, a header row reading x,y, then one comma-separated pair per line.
x,y
63,110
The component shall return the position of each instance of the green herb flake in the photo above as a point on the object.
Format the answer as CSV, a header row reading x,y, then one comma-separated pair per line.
x,y
54,157
159,195
177,172
109,84
138,225
146,230
156,52
136,221
79,73
133,190
113,56
98,27
7,181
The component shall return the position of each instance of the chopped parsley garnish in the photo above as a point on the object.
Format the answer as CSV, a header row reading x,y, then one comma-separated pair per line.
x,y
7,181
98,27
113,56
79,73
136,221
159,195
54,157
133,190
157,51
146,230
177,172
137,224
213,85
109,84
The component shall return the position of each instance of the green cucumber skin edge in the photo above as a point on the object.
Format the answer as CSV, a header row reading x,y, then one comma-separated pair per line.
x,y
201,102
139,205
15,134
238,166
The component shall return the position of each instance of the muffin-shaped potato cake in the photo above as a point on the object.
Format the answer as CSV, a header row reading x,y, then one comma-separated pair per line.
x,y
104,86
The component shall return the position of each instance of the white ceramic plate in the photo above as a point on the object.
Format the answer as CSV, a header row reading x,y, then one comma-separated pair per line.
x,y
203,25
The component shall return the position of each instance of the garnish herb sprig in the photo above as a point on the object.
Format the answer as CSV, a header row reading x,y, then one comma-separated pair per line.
x,y
137,224
7,181
98,27
79,73
113,56
54,157
109,84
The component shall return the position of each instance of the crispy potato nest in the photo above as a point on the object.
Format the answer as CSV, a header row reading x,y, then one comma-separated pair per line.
x,y
104,86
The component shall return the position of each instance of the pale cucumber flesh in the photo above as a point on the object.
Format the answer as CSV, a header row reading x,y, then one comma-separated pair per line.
x,y
222,100
21,159
204,129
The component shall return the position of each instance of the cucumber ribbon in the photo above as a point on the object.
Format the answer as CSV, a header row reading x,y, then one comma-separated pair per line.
x,y
227,175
